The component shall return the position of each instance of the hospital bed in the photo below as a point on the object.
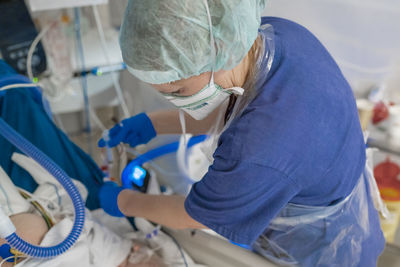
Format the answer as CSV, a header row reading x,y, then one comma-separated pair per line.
x,y
210,250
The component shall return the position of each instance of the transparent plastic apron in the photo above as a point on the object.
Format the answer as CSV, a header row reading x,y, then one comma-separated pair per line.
x,y
323,236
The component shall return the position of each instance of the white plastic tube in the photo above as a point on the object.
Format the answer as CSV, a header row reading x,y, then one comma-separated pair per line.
x,y
32,49
181,154
18,85
117,86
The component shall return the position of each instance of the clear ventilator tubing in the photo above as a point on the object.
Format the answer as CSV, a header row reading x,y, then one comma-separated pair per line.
x,y
8,232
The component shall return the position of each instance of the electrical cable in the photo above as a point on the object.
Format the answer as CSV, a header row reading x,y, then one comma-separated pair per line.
x,y
6,259
29,62
30,73
39,208
32,49
54,206
18,85
179,248
93,115
29,85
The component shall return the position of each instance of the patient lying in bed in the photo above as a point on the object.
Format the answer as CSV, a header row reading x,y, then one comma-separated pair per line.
x,y
105,241
32,228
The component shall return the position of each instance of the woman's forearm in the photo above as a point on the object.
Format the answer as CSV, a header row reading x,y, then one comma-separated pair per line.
x,y
165,210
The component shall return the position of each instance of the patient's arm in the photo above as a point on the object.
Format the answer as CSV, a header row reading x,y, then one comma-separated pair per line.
x,y
30,227
142,256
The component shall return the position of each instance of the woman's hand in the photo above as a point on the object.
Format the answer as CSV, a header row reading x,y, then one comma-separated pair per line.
x,y
165,210
134,131
108,196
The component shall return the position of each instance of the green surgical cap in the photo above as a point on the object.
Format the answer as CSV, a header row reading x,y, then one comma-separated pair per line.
x,y
168,40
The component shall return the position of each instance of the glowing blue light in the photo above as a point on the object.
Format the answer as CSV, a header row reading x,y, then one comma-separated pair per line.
x,y
138,175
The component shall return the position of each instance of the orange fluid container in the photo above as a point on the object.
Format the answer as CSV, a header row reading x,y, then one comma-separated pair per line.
x,y
387,175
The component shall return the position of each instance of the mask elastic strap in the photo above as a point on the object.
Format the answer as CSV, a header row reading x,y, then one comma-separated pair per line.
x,y
235,90
183,124
212,42
181,154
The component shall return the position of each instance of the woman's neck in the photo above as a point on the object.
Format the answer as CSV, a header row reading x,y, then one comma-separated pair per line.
x,y
235,77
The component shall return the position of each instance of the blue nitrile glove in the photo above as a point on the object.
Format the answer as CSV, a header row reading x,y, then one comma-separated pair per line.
x,y
108,196
134,131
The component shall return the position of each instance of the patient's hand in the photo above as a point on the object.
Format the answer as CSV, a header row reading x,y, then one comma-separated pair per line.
x,y
30,227
152,261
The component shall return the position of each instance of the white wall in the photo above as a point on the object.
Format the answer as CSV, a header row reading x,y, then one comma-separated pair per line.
x,y
362,35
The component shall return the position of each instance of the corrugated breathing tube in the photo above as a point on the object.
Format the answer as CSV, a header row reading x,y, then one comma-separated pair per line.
x,y
7,229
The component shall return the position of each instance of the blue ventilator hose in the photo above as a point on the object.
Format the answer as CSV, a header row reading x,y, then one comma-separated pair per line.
x,y
30,150
126,177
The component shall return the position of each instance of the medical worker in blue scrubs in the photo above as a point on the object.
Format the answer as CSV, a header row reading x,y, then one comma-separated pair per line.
x,y
288,177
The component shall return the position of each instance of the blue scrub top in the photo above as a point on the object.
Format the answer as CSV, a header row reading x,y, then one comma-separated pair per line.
x,y
298,141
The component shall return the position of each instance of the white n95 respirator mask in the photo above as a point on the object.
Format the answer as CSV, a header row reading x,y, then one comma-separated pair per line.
x,y
201,104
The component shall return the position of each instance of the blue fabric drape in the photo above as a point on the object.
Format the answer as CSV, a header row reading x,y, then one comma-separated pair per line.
x,y
22,109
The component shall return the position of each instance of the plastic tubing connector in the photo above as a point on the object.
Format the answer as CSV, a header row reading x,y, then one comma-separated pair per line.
x,y
8,231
